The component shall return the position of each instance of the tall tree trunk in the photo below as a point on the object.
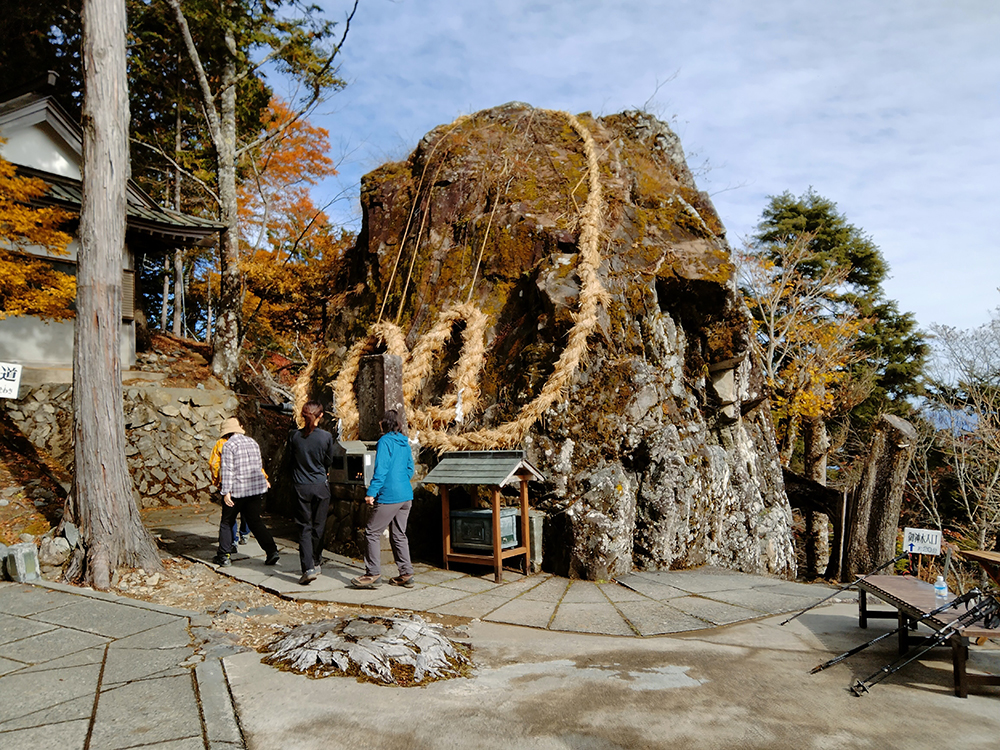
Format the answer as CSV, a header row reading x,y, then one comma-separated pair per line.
x,y
178,255
166,294
178,291
873,518
816,445
208,310
227,324
101,502
787,447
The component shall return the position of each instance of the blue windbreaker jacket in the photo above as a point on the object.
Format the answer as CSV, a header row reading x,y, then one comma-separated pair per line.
x,y
393,470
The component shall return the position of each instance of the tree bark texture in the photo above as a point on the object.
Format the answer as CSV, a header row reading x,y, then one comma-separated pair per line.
x,y
101,502
875,503
221,116
226,356
178,292
166,294
817,541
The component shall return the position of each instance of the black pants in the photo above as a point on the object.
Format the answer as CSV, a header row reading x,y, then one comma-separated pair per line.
x,y
249,508
314,505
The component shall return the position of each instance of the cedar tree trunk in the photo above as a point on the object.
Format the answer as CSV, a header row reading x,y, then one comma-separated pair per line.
x,y
101,502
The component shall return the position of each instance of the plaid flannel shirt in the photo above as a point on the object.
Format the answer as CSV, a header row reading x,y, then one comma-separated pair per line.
x,y
241,472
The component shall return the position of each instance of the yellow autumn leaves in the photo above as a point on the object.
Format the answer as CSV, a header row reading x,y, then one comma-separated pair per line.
x,y
29,283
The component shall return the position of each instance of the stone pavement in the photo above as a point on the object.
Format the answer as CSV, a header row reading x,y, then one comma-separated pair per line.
x,y
745,686
639,604
84,669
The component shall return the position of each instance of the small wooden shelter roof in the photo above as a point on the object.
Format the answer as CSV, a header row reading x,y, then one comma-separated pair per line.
x,y
491,468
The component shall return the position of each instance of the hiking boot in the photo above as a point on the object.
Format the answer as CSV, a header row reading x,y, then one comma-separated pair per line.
x,y
272,559
222,561
309,576
366,582
406,581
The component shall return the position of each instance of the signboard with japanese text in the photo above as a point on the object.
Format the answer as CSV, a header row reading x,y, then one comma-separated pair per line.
x,y
10,380
922,541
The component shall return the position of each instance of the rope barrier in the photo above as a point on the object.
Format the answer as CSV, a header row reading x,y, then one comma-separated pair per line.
x,y
431,424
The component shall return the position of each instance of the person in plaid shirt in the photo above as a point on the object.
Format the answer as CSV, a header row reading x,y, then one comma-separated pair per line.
x,y
243,484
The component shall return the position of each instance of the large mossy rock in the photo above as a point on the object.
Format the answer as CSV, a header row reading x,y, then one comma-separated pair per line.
x,y
660,452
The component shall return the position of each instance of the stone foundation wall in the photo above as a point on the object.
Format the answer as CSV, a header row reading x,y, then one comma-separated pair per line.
x,y
170,434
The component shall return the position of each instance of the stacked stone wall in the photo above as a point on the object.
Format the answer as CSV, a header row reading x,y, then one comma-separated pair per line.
x,y
169,431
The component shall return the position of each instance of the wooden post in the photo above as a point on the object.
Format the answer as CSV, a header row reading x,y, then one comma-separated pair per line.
x,y
497,551
525,526
445,523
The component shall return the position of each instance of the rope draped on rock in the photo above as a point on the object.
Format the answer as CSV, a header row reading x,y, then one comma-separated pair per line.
x,y
431,425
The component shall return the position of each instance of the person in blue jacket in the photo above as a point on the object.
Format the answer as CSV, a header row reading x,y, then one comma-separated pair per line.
x,y
390,496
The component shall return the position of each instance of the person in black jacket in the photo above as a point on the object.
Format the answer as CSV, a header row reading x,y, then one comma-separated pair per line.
x,y
311,452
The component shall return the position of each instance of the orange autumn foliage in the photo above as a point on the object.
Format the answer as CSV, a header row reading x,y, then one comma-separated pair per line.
x,y
29,284
291,250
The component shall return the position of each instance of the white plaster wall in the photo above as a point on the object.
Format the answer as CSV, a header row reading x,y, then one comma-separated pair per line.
x,y
40,147
33,343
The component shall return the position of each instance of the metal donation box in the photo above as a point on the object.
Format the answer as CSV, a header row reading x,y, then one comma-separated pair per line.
x,y
354,464
473,529
488,536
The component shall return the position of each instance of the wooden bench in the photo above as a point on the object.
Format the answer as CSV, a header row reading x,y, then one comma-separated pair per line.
x,y
913,599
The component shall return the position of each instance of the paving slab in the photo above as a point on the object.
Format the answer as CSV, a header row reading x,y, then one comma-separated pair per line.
x,y
549,590
221,727
15,628
146,712
657,618
73,709
590,617
475,606
711,611
50,645
108,673
617,593
583,592
69,734
103,618
47,697
470,585
530,613
421,600
761,600
653,588
174,634
93,655
28,600
523,586
125,665
706,580
6,665
426,574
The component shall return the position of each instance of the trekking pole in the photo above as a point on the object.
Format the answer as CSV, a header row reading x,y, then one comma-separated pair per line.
x,y
987,608
845,586
964,598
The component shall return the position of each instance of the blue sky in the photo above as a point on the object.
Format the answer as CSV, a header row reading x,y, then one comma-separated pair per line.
x,y
890,108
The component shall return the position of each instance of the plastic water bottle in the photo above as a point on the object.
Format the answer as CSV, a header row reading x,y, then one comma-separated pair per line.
x,y
940,588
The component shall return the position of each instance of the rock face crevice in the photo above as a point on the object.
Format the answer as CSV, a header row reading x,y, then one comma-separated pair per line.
x,y
659,454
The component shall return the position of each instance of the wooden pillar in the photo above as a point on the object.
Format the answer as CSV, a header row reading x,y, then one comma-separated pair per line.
x,y
497,551
525,527
445,524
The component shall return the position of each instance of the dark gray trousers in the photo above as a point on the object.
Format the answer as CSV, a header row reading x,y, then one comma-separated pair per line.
x,y
392,516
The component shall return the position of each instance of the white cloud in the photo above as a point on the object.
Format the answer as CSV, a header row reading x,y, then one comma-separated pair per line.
x,y
891,109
